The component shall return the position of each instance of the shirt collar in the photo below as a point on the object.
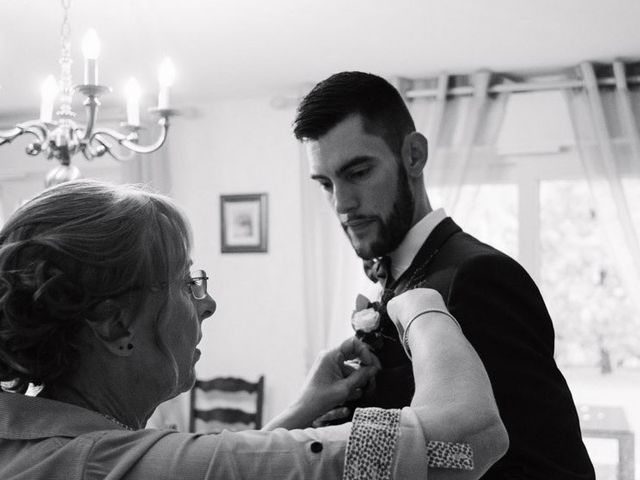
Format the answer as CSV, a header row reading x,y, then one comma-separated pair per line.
x,y
402,256
28,417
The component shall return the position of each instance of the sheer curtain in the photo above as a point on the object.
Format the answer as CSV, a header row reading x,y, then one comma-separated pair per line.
x,y
462,133
605,118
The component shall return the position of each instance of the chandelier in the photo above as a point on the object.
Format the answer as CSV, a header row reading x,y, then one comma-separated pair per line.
x,y
62,138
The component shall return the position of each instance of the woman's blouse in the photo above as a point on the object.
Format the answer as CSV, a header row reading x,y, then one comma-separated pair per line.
x,y
46,439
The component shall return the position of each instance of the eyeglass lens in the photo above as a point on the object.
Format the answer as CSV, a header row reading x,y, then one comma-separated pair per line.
x,y
198,284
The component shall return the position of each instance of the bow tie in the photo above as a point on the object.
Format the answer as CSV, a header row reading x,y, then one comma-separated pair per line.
x,y
379,270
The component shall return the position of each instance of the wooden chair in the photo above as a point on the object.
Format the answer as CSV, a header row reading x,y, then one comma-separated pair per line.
x,y
226,403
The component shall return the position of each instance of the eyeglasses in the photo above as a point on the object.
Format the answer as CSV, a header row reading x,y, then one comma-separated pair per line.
x,y
198,284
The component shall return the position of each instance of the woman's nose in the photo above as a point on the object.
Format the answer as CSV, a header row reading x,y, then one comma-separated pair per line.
x,y
206,307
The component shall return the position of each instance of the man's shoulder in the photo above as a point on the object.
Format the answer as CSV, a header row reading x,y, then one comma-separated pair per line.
x,y
454,254
464,248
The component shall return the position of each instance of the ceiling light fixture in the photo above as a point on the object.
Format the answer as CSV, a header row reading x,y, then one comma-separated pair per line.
x,y
61,138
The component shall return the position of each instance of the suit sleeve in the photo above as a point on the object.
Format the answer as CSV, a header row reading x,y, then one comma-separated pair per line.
x,y
504,317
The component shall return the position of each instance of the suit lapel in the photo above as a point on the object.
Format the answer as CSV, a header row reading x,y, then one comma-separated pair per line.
x,y
445,229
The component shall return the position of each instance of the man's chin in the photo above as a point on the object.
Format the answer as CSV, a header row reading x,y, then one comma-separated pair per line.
x,y
365,250
369,245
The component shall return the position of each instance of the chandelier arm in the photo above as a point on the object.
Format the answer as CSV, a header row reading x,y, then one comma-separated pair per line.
x,y
35,128
86,153
92,104
105,147
7,136
126,142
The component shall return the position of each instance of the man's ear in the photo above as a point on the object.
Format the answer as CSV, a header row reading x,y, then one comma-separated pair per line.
x,y
415,151
111,324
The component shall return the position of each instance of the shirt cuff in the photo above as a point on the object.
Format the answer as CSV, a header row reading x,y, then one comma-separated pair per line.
x,y
371,445
386,444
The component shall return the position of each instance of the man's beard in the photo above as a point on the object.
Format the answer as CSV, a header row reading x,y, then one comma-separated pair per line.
x,y
392,230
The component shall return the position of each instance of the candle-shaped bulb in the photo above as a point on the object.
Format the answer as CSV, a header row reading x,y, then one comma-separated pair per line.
x,y
49,92
133,92
91,50
91,45
166,76
166,73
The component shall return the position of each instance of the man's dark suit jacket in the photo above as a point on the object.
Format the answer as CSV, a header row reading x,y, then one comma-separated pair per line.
x,y
504,317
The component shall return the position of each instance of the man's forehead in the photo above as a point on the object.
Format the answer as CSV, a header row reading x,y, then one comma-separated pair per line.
x,y
343,143
327,158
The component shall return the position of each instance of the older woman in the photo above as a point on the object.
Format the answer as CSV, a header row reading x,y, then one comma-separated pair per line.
x,y
98,309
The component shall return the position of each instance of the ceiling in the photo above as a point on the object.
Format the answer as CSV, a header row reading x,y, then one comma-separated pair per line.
x,y
238,48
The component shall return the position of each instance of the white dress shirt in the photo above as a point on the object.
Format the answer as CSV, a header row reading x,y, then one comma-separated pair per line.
x,y
402,256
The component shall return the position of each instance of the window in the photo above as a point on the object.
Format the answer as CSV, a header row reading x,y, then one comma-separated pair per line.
x,y
541,214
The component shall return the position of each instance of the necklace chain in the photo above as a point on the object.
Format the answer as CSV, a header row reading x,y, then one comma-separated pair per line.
x,y
118,422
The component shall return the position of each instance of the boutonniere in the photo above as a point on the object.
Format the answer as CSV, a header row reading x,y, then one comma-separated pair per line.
x,y
366,319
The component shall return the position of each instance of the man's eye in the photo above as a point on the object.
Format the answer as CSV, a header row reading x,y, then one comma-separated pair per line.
x,y
325,185
360,173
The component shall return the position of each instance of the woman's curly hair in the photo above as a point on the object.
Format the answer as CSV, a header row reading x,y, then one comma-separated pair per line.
x,y
63,252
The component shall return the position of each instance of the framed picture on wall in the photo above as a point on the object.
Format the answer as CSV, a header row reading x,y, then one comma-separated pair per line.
x,y
243,223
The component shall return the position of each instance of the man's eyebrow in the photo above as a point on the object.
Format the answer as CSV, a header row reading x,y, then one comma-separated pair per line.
x,y
354,162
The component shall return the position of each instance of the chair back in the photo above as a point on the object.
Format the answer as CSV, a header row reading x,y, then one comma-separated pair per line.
x,y
226,403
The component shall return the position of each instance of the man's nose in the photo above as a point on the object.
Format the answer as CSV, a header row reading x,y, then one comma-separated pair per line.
x,y
345,199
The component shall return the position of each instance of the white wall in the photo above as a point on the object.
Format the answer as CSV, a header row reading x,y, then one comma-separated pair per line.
x,y
246,146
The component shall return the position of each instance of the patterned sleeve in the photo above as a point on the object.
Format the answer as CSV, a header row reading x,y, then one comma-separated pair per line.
x,y
386,444
371,445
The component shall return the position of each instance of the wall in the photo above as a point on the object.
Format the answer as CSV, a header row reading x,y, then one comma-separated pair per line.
x,y
246,146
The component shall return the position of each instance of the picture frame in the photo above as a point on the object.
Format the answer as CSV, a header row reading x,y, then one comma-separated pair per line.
x,y
243,222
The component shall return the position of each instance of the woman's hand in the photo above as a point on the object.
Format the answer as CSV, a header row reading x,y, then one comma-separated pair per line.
x,y
340,374
337,375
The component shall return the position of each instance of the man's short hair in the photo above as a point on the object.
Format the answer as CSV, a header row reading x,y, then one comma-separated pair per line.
x,y
343,94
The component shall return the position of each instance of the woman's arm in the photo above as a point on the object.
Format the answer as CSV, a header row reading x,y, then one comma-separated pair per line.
x,y
453,398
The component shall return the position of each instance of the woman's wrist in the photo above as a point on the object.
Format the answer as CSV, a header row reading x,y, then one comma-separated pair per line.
x,y
293,417
432,314
300,414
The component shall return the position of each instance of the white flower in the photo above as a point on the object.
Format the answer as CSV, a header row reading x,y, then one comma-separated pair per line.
x,y
365,320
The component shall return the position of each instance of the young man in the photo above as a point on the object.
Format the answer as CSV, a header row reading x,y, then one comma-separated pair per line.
x,y
365,153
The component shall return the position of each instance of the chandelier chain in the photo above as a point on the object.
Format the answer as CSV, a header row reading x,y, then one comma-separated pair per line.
x,y
66,84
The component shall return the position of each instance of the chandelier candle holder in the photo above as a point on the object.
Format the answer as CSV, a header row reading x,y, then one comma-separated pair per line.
x,y
63,138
